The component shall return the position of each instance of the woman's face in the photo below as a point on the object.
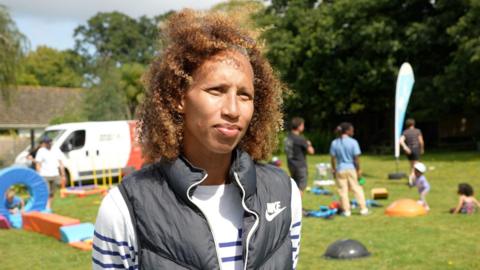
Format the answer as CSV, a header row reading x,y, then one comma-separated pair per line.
x,y
218,106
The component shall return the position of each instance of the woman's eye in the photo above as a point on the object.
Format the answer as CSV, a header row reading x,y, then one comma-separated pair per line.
x,y
245,96
214,91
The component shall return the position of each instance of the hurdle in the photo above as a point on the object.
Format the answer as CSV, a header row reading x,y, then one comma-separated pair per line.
x,y
82,191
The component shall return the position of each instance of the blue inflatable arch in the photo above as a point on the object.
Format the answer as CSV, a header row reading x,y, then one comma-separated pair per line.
x,y
36,185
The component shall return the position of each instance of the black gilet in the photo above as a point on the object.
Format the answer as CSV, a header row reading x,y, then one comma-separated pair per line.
x,y
172,232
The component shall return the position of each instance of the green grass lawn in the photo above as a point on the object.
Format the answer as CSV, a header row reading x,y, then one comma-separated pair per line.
x,y
436,241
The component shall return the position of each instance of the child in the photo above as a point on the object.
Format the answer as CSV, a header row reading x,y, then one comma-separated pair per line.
x,y
466,202
13,203
421,183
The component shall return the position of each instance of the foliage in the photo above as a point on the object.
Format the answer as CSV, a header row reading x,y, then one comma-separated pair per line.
x,y
73,113
320,140
105,101
242,12
460,74
131,86
341,57
117,37
12,47
49,67
124,44
281,144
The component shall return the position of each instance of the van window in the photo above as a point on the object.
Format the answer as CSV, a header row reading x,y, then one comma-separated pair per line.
x,y
53,134
76,140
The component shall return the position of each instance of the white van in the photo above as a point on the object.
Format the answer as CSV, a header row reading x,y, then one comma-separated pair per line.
x,y
94,149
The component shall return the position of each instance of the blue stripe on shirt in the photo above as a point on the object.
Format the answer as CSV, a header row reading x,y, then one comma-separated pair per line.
x,y
230,244
232,259
113,253
113,241
296,224
112,265
295,236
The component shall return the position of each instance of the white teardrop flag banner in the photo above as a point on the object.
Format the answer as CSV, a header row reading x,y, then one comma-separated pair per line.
x,y
404,88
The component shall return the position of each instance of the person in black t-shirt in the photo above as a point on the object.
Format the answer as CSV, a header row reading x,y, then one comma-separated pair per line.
x,y
412,144
296,148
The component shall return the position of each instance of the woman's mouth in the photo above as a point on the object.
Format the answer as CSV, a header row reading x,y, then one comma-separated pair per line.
x,y
229,131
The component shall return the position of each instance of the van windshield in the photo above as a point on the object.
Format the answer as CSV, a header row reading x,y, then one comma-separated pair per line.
x,y
53,134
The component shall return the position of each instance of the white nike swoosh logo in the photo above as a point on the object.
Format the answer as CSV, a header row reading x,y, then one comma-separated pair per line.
x,y
270,217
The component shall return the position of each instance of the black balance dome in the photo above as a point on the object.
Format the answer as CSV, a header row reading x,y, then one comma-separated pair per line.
x,y
346,249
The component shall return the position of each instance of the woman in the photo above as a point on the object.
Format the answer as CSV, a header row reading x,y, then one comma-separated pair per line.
x,y
212,111
345,160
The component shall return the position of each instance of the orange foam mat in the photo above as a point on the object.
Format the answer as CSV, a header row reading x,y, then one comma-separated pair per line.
x,y
46,223
86,246
405,208
82,192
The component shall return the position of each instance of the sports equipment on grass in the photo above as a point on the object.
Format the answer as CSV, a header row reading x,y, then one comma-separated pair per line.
x,y
36,185
4,224
323,212
320,191
379,193
346,249
405,208
48,224
77,232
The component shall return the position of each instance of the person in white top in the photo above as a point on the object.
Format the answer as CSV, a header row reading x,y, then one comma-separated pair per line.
x,y
211,93
49,165
116,244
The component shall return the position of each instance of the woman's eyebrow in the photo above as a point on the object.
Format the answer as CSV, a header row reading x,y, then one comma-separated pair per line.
x,y
216,85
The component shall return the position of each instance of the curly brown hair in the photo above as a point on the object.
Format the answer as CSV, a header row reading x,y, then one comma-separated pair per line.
x,y
190,38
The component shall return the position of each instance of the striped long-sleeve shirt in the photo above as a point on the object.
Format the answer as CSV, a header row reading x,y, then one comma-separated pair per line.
x,y
114,244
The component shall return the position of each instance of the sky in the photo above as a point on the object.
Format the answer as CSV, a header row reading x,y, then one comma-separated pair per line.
x,y
51,22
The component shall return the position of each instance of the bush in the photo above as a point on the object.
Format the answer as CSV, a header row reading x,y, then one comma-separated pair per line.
x,y
321,140
281,144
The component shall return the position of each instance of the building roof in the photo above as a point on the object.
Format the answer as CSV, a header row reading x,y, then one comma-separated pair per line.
x,y
35,107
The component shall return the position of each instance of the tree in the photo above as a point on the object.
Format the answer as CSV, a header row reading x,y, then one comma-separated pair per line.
x,y
49,67
72,113
341,58
105,101
458,84
126,46
117,37
132,87
12,47
242,11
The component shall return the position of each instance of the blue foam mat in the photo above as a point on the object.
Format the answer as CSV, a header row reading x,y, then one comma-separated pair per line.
x,y
323,212
15,220
78,232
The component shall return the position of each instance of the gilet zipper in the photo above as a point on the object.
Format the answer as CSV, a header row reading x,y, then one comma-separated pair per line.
x,y
208,222
250,233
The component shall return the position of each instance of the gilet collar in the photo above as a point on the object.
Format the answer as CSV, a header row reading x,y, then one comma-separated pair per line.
x,y
181,174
